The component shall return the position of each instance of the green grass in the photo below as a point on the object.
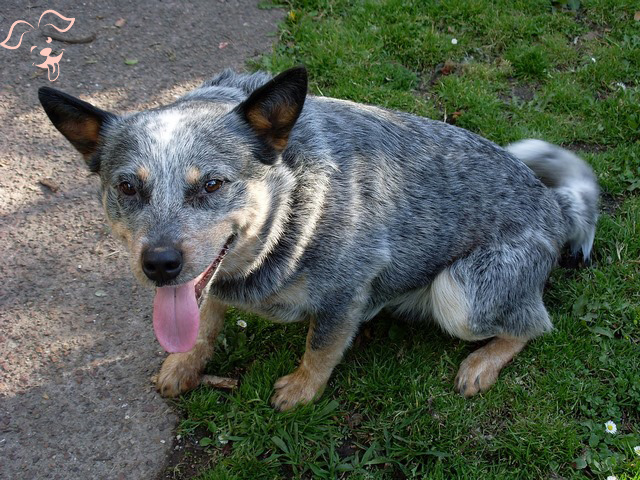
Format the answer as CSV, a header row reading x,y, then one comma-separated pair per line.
x,y
519,69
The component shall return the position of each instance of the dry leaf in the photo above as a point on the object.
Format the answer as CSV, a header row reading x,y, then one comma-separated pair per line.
x,y
50,184
120,22
219,382
636,16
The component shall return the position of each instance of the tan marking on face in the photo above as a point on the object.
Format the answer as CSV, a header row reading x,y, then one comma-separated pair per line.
x,y
193,175
134,246
143,173
122,233
201,247
250,247
135,242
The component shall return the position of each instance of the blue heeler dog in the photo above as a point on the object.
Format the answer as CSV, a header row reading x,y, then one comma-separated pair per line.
x,y
237,195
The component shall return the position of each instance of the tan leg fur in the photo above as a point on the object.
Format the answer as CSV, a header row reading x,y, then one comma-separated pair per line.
x,y
181,372
308,381
479,371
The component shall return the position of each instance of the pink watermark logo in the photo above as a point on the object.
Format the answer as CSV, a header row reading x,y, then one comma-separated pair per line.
x,y
50,63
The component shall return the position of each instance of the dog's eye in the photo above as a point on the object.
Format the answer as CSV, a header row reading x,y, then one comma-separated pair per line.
x,y
127,189
212,185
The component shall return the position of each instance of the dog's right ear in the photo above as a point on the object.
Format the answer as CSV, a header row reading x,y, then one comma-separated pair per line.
x,y
79,121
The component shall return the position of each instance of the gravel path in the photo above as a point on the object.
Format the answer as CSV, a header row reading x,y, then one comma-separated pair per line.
x,y
76,342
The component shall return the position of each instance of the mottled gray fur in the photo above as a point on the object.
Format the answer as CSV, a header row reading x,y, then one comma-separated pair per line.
x,y
366,207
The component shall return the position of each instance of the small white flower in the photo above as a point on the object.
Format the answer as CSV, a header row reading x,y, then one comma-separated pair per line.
x,y
612,477
637,449
454,41
241,324
593,60
610,427
222,439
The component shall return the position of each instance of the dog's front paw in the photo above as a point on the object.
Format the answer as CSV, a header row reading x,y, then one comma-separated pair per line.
x,y
297,388
179,373
477,373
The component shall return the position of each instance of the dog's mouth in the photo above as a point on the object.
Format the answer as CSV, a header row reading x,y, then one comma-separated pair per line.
x,y
203,279
176,315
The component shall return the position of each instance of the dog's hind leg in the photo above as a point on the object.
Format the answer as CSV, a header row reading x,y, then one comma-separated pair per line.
x,y
495,293
479,371
181,372
324,351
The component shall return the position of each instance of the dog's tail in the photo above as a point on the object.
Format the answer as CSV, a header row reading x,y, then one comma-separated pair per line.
x,y
574,184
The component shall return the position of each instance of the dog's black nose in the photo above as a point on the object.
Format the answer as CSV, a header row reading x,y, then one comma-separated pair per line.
x,y
161,264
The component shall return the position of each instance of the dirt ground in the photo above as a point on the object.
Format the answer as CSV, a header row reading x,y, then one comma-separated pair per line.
x,y
77,348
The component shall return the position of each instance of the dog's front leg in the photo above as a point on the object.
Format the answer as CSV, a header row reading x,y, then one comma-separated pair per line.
x,y
325,346
181,372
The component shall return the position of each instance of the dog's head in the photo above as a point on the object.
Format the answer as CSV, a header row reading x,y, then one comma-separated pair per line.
x,y
189,187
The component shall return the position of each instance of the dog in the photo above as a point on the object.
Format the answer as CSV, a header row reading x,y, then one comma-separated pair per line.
x,y
248,192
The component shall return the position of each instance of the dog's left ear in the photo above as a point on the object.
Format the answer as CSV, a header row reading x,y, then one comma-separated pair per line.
x,y
272,110
79,121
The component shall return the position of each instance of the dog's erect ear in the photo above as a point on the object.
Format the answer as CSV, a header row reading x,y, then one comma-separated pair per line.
x,y
272,110
79,121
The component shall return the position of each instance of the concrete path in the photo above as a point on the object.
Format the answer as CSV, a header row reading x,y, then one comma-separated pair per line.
x,y
76,343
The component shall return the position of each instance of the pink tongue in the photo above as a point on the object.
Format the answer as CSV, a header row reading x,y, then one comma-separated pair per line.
x,y
176,317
